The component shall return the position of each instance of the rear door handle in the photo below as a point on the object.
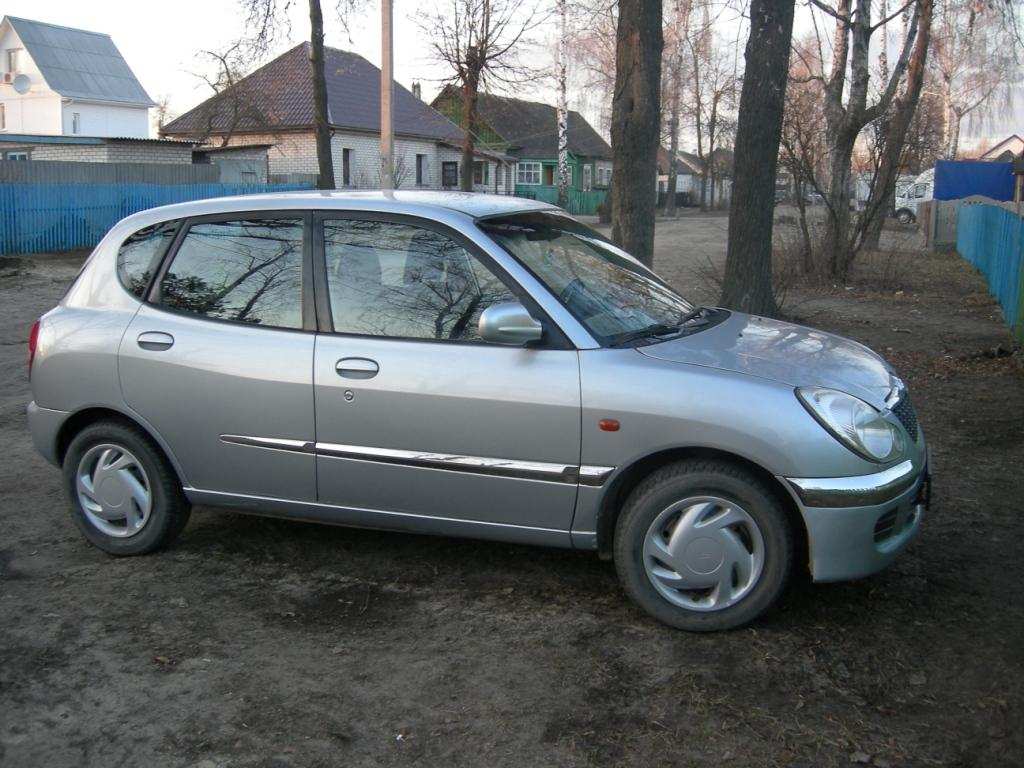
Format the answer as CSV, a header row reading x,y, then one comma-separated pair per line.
x,y
155,340
357,368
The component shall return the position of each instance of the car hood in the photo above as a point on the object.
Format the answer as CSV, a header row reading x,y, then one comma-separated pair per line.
x,y
787,353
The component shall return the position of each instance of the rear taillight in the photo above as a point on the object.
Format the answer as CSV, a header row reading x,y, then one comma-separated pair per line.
x,y
33,339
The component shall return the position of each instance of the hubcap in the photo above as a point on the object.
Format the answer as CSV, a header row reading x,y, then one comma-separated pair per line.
x,y
113,490
704,553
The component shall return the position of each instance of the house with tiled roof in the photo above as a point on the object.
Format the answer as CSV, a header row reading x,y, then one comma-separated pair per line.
x,y
273,106
528,131
59,81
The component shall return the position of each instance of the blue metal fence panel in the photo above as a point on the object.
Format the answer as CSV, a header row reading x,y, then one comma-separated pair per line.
x,y
955,179
36,218
992,239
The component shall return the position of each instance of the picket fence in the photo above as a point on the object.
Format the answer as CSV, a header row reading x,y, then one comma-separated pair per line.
x,y
992,239
37,218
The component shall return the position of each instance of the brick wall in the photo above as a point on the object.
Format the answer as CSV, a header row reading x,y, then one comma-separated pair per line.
x,y
296,153
128,152
68,153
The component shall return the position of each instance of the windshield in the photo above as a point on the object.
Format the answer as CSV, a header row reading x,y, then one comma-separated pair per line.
x,y
612,294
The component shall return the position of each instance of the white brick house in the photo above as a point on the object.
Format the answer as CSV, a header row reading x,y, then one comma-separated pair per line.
x,y
273,106
61,81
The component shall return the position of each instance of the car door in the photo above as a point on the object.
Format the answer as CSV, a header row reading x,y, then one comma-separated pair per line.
x,y
219,360
415,414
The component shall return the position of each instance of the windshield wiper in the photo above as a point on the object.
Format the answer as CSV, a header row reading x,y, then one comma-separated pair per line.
x,y
657,330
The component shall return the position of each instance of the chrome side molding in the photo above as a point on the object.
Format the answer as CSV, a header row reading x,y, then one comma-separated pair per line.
x,y
481,465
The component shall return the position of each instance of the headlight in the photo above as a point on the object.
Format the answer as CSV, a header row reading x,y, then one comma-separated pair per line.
x,y
857,425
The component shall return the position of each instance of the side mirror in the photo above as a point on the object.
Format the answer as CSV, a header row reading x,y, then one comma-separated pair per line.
x,y
509,323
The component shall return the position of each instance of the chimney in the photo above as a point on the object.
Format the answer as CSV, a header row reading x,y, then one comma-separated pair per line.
x,y
416,90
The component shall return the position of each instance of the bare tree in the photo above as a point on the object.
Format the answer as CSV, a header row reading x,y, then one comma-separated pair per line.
x,y
636,121
847,88
748,265
677,32
268,20
894,132
482,43
562,112
162,115
975,59
234,103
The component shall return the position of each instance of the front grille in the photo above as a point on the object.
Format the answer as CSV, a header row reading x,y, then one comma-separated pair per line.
x,y
904,411
886,525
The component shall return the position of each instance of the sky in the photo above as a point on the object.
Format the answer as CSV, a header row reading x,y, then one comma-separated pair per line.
x,y
161,42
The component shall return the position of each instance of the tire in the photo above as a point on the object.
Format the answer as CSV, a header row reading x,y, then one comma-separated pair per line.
x,y
707,495
111,466
905,217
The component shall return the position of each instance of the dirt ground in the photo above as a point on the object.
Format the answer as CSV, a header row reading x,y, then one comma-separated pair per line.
x,y
253,642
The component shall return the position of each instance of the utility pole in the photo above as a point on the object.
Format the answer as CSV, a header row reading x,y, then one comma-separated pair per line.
x,y
387,135
563,105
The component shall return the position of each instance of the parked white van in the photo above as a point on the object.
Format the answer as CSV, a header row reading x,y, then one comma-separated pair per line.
x,y
911,196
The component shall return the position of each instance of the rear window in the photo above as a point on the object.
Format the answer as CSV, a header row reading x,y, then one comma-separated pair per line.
x,y
140,254
245,270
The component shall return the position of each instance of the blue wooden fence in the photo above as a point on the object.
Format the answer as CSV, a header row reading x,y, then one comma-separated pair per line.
x,y
35,218
992,239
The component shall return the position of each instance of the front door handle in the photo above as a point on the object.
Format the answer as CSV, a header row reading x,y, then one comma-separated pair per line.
x,y
357,368
155,340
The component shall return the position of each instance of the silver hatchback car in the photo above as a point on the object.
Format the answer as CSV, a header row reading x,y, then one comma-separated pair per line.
x,y
467,365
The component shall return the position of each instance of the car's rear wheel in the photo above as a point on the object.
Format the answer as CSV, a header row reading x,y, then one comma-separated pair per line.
x,y
125,497
703,546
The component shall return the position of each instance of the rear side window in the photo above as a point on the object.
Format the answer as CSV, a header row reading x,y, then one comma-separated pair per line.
x,y
246,270
140,254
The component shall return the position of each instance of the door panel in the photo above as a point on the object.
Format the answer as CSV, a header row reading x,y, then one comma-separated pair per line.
x,y
219,364
225,379
459,403
414,413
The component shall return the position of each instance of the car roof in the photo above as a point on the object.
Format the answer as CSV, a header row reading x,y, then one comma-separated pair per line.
x,y
419,202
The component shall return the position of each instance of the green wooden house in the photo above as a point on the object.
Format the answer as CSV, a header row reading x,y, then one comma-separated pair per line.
x,y
528,131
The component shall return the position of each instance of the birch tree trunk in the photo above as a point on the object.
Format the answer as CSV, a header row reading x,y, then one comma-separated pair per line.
x,y
636,120
681,28
563,105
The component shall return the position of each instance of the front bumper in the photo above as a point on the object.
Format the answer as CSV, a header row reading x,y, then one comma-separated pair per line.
x,y
857,526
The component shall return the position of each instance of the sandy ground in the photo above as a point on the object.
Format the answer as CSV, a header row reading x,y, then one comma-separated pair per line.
x,y
253,642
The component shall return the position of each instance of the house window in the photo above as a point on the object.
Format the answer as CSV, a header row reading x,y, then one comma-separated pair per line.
x,y
76,122
528,173
549,175
21,154
480,171
588,177
13,60
421,170
450,174
604,176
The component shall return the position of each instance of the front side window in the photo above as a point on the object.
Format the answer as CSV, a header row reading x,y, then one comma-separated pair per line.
x,y
139,255
615,297
404,281
528,173
246,270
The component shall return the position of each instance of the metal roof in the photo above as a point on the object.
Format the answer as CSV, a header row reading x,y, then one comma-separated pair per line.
x,y
80,65
33,138
279,95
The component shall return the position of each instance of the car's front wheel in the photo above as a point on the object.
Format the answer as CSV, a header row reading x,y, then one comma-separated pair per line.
x,y
125,497
703,546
